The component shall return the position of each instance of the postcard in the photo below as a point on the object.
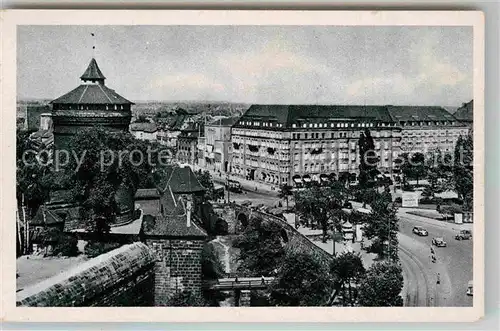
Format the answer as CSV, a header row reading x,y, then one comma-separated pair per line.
x,y
242,166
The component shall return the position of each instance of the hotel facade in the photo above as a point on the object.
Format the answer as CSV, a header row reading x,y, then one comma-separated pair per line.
x,y
289,144
425,129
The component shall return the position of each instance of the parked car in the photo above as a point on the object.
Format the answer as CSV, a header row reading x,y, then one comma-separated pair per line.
x,y
470,288
464,235
439,242
418,230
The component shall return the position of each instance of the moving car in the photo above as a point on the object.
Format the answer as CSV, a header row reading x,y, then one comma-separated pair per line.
x,y
464,235
234,186
439,242
420,231
470,288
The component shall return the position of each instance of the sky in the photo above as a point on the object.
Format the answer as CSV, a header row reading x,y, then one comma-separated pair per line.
x,y
253,64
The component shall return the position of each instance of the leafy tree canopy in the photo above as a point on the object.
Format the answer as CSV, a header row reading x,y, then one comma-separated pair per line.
x,y
382,286
261,247
302,280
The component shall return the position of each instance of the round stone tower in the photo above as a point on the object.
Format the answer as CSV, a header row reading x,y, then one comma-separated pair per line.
x,y
90,104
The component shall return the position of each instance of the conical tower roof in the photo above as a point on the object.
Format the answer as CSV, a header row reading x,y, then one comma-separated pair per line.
x,y
93,72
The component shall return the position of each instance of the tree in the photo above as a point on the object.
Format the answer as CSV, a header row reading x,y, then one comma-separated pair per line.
x,y
302,280
347,268
284,192
211,269
414,166
463,169
382,226
33,172
205,179
141,119
368,160
261,247
382,286
320,204
106,162
211,266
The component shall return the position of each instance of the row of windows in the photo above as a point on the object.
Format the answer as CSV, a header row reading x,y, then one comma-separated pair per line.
x,y
316,135
428,123
337,125
265,124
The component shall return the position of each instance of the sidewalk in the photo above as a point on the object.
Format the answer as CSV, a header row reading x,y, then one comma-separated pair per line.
x,y
247,185
340,246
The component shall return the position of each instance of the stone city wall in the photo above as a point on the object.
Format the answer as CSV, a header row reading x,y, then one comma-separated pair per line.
x,y
122,277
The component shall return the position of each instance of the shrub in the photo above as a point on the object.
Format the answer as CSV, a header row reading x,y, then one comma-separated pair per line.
x,y
408,187
66,246
96,248
449,210
186,299
398,200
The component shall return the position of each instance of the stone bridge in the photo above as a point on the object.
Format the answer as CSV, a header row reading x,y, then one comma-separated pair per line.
x,y
238,216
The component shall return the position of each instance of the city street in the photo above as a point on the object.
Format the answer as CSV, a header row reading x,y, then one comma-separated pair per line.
x,y
454,263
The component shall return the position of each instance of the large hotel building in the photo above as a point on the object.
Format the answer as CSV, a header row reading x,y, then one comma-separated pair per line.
x,y
289,144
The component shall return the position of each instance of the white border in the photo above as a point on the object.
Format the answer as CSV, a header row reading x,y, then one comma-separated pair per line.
x,y
9,20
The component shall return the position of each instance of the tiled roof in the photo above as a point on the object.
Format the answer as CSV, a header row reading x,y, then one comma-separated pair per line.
x,y
147,193
179,179
224,121
296,114
419,113
92,94
45,216
145,127
60,196
173,223
93,72
466,112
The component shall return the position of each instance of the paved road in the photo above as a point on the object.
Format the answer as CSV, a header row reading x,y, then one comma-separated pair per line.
x,y
454,263
257,197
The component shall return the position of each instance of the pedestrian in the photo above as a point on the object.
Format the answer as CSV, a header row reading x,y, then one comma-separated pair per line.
x,y
263,280
438,279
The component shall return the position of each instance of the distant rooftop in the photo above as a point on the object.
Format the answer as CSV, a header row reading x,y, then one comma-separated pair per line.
x,y
144,127
466,112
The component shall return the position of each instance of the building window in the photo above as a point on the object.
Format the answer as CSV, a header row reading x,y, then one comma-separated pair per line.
x,y
305,135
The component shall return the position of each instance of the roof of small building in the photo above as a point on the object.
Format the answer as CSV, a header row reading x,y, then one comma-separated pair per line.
x,y
145,127
147,193
466,112
298,114
92,94
93,72
419,113
45,216
179,179
173,221
224,121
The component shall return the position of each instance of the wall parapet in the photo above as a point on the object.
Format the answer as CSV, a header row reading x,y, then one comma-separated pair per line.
x,y
106,280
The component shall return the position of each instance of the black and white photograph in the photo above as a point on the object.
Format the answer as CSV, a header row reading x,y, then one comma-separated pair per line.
x,y
260,165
